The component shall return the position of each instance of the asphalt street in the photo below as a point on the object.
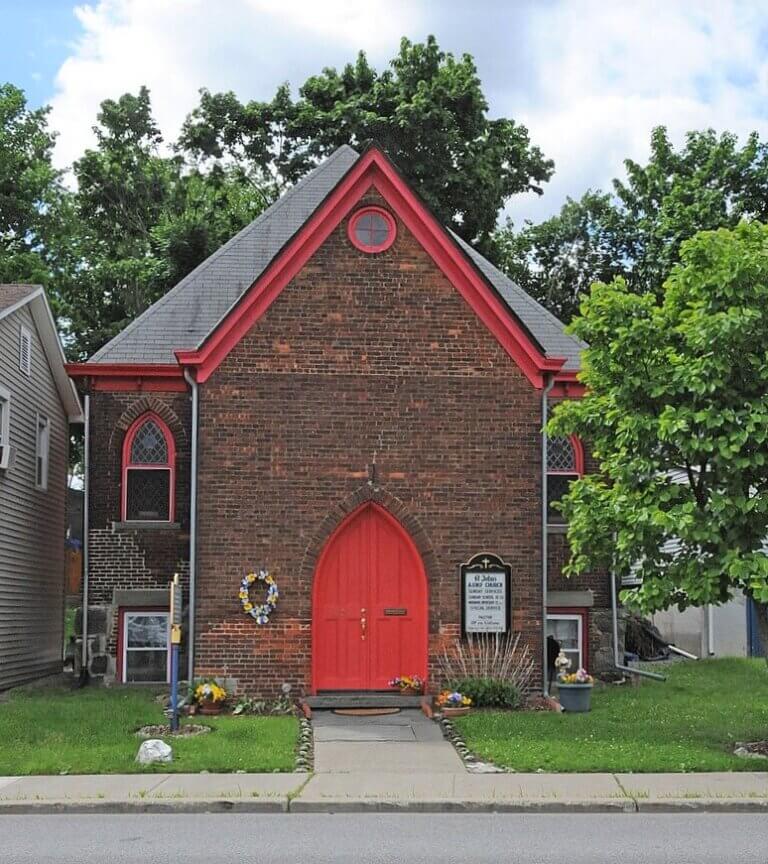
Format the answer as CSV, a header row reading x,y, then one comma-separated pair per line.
x,y
697,838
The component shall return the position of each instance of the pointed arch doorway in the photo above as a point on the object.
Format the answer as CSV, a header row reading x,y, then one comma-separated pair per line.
x,y
369,605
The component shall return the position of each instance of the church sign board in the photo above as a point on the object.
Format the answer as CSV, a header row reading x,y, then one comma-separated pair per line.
x,y
485,594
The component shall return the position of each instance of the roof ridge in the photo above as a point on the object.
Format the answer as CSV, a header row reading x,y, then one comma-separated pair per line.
x,y
270,211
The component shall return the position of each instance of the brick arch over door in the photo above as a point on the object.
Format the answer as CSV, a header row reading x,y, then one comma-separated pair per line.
x,y
397,508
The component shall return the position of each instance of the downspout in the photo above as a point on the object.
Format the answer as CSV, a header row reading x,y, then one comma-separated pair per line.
x,y
616,655
86,508
188,377
544,536
710,630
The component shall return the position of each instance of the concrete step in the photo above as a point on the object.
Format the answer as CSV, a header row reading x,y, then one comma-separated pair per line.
x,y
355,699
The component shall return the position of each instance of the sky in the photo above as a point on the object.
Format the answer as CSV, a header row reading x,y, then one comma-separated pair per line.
x,y
589,78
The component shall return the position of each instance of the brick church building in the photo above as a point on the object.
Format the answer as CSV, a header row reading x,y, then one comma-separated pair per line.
x,y
349,397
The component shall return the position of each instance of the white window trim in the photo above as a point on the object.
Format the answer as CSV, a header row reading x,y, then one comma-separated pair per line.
x,y
124,650
579,619
25,335
42,450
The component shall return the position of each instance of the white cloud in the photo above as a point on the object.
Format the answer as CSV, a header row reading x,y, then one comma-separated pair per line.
x,y
609,73
176,47
590,79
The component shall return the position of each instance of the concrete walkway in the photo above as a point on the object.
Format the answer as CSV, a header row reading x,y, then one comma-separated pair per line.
x,y
392,791
403,743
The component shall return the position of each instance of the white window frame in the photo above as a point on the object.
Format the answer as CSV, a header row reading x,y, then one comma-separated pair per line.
x,y
125,650
579,619
42,450
25,336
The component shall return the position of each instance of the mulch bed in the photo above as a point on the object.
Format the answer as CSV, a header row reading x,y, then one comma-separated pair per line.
x,y
163,730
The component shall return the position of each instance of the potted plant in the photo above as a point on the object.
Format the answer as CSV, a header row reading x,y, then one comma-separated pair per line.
x,y
575,691
453,704
408,685
210,697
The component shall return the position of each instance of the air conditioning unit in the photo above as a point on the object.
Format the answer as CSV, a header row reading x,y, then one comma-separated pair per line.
x,y
7,456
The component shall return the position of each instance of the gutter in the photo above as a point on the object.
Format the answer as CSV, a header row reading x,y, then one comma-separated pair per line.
x,y
86,520
188,377
544,534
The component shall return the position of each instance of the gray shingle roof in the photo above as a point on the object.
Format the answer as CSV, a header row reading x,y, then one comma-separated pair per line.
x,y
12,292
190,311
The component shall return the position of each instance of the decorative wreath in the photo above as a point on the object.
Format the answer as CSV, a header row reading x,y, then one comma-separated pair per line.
x,y
260,612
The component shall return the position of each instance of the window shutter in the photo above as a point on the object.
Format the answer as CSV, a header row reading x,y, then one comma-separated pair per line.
x,y
25,351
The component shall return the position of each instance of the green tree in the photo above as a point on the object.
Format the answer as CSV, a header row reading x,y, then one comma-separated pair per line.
x,y
637,231
427,111
557,260
32,198
677,413
144,220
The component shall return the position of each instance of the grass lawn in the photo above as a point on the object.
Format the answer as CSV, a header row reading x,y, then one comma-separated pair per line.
x,y
688,723
46,730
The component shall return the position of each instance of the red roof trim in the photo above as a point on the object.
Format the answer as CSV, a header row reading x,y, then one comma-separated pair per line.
x,y
130,376
372,169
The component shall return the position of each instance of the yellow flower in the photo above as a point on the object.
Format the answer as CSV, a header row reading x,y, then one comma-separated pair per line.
x,y
247,606
243,595
251,577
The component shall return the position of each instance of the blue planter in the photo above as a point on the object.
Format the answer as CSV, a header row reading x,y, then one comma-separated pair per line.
x,y
575,698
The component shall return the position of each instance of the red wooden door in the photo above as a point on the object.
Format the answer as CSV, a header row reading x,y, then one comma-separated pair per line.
x,y
369,605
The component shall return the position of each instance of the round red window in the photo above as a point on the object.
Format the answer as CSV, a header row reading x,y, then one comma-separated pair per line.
x,y
372,229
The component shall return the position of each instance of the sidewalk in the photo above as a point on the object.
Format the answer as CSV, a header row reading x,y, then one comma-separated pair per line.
x,y
386,792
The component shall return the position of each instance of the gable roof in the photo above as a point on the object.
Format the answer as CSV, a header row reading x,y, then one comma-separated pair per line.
x,y
14,296
191,311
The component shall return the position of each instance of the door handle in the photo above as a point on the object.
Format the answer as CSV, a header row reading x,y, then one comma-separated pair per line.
x,y
363,624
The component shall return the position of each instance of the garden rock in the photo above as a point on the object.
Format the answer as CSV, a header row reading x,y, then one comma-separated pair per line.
x,y
154,750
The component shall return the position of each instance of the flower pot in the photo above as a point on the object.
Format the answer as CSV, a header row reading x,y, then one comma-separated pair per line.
x,y
575,698
456,711
210,708
409,691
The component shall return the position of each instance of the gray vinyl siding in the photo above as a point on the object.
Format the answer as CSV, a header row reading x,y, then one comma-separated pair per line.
x,y
31,519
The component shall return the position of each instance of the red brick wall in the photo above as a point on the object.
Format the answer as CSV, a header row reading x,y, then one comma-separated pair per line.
x,y
133,558
360,355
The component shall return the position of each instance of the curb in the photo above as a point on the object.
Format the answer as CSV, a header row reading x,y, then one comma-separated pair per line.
x,y
296,805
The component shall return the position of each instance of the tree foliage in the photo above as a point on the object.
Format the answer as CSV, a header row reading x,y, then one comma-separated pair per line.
x,y
677,412
427,111
637,231
31,193
144,219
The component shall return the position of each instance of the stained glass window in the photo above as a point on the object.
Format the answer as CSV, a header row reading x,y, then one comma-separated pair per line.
x,y
148,472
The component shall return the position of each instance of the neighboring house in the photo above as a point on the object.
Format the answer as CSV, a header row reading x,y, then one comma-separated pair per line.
x,y
366,393
727,630
37,403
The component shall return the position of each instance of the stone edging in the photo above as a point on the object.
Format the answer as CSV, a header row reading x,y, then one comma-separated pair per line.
x,y
471,762
305,755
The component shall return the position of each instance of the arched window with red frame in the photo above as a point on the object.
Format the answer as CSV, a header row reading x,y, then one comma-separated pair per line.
x,y
149,471
565,462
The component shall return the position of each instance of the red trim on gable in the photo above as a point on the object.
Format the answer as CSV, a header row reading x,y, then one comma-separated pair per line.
x,y
131,377
567,384
373,169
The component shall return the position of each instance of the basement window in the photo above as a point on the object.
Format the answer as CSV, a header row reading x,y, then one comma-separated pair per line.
x,y
144,644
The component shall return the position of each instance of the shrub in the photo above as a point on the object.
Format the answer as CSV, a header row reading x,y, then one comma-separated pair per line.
x,y
489,692
493,669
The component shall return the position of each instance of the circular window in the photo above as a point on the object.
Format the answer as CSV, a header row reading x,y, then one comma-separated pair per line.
x,y
372,229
